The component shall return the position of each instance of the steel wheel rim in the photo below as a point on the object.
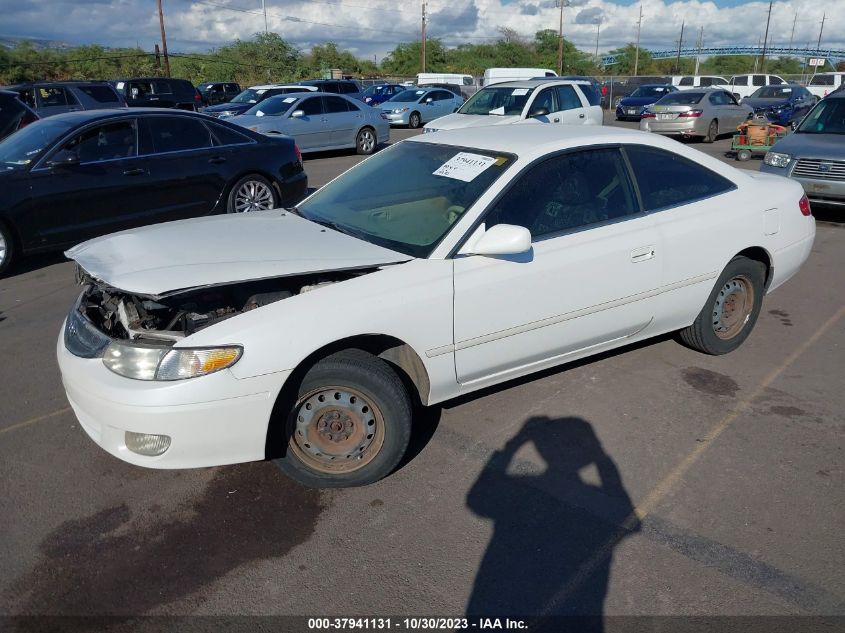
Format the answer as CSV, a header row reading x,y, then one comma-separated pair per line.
x,y
336,430
367,142
733,307
253,195
415,120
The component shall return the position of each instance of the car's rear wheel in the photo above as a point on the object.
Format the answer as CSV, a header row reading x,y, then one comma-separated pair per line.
x,y
731,309
7,248
350,424
366,141
712,131
252,193
414,120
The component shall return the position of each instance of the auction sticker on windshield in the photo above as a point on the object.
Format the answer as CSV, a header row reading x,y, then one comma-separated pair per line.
x,y
464,166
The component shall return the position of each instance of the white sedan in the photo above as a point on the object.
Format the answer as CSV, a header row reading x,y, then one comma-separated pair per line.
x,y
443,264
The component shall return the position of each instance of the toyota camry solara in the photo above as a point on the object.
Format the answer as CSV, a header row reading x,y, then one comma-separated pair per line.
x,y
444,264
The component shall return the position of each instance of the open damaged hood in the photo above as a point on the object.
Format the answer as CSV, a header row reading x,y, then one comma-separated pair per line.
x,y
164,258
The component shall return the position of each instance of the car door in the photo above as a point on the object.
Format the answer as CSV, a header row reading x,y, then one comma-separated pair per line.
x,y
594,259
309,130
187,174
571,111
93,183
342,124
139,94
444,102
55,100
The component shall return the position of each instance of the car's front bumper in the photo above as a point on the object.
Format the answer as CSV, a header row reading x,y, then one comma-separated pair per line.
x,y
628,112
212,420
402,118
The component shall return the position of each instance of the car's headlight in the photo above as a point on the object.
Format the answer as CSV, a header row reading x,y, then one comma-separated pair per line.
x,y
776,159
400,110
167,363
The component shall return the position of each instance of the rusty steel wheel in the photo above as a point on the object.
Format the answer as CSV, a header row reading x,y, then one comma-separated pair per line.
x,y
348,424
337,430
733,307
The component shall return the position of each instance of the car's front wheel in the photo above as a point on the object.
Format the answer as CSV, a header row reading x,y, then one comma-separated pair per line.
x,y
7,248
252,193
350,424
731,309
414,120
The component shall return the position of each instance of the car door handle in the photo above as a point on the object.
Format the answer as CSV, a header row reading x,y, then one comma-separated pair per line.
x,y
580,116
556,120
216,160
641,254
135,172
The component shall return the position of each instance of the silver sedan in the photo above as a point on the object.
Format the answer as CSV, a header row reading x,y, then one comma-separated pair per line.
x,y
701,113
318,121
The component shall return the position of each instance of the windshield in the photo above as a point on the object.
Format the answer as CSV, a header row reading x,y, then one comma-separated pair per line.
x,y
407,96
249,95
772,92
273,106
828,117
25,146
500,101
651,91
408,196
682,97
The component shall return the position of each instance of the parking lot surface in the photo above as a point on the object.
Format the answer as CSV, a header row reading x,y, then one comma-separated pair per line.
x,y
653,480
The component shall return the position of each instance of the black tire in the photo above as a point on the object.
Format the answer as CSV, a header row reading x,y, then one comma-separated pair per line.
x,y
366,141
731,310
743,154
7,249
264,195
712,131
415,120
366,418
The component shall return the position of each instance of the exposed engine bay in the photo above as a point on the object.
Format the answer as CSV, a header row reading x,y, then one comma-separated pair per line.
x,y
170,319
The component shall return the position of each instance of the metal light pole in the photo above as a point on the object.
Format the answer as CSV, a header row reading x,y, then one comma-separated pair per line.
x,y
680,41
765,41
264,8
598,29
561,3
818,45
422,46
637,52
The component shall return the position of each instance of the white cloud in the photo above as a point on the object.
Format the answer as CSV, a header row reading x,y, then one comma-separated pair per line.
x,y
376,26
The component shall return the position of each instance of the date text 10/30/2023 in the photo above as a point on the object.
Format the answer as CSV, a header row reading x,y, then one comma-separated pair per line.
x,y
415,624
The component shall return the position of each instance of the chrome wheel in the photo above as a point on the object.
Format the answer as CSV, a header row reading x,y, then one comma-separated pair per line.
x,y
4,249
254,195
366,141
336,430
733,307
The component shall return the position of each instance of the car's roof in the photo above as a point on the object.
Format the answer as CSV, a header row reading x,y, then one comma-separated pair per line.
x,y
150,79
301,94
82,116
533,83
271,86
63,82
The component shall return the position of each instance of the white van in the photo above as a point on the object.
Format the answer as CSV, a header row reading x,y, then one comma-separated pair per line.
x,y
744,85
424,79
698,81
822,84
498,75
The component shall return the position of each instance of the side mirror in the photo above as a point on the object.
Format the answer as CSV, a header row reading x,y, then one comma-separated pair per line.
x,y
64,159
297,114
429,100
539,112
503,239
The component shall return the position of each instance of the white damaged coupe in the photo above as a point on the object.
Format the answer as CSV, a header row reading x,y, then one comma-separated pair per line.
x,y
443,264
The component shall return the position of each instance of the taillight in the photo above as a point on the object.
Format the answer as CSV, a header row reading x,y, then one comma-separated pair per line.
x,y
604,90
197,97
297,152
804,205
690,113
648,115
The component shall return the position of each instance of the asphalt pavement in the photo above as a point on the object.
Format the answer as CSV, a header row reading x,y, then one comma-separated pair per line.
x,y
651,481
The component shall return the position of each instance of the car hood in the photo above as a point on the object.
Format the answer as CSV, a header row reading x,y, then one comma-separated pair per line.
x,y
163,259
764,103
229,107
808,145
638,101
455,121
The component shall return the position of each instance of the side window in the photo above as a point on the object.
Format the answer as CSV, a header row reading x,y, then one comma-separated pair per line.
x,y
28,97
104,142
567,98
741,81
467,81
685,81
312,106
719,98
567,192
162,88
335,104
173,134
822,80
758,80
100,94
140,89
706,81
667,180
544,101
777,81
56,96
221,135
348,88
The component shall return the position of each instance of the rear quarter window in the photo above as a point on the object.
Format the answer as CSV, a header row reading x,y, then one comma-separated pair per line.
x,y
593,97
100,94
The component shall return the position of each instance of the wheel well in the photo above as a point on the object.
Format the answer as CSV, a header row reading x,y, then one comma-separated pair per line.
x,y
759,254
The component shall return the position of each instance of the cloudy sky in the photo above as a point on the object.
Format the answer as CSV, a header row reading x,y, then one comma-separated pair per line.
x,y
374,27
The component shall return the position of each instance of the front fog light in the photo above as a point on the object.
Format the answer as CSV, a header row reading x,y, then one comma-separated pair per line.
x,y
189,363
146,443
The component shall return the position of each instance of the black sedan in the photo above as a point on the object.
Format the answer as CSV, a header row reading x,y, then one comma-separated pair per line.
x,y
74,176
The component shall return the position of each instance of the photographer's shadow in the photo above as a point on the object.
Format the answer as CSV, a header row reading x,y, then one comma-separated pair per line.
x,y
554,533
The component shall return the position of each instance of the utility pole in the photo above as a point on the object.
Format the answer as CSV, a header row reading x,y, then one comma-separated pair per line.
x,y
422,46
637,51
699,45
819,44
562,3
163,39
680,42
765,41
792,35
264,8
598,29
